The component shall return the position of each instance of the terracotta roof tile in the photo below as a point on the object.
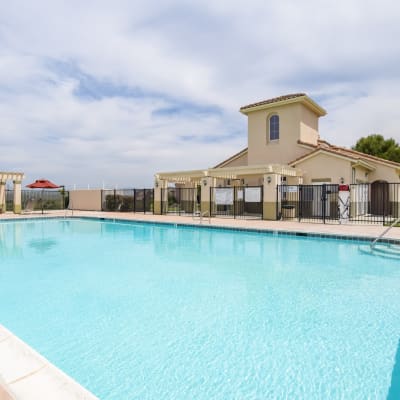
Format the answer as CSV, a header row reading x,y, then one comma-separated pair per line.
x,y
274,100
353,154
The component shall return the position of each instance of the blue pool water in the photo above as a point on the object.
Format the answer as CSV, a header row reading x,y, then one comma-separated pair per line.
x,y
140,311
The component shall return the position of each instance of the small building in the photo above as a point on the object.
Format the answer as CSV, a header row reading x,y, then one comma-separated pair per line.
x,y
284,147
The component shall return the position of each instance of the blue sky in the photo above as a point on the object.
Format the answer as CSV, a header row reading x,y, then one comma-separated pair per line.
x,y
112,92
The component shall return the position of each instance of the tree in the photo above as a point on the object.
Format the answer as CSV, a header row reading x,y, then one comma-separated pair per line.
x,y
377,145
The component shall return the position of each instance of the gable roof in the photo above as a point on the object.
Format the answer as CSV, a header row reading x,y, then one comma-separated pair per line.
x,y
234,157
282,100
353,155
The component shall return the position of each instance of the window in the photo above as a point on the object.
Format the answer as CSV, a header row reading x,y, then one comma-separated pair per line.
x,y
274,128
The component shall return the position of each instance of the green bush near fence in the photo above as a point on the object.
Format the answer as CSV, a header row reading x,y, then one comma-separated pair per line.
x,y
119,203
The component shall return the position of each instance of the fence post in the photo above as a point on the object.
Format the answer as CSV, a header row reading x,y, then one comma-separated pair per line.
x,y
234,202
383,191
209,204
300,202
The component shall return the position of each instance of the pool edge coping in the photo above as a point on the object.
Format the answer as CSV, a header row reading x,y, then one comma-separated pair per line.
x,y
277,232
27,368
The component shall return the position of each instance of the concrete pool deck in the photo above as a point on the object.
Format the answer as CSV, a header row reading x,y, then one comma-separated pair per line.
x,y
26,375
353,230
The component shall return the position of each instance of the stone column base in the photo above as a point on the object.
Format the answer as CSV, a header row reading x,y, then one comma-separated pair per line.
x,y
157,208
205,207
269,211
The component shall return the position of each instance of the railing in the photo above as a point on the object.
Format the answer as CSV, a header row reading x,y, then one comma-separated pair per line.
x,y
369,203
374,203
237,202
201,215
127,200
36,199
180,200
384,233
309,203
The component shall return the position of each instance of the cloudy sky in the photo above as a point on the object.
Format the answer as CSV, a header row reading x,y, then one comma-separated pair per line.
x,y
114,91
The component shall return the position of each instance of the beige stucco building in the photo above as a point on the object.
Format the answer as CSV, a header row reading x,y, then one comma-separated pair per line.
x,y
284,147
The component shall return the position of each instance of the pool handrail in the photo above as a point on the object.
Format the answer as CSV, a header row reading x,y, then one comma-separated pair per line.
x,y
384,233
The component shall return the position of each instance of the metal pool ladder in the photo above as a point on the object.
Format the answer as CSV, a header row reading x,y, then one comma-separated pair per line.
x,y
201,215
384,233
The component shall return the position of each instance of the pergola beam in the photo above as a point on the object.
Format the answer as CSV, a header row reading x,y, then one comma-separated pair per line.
x,y
228,173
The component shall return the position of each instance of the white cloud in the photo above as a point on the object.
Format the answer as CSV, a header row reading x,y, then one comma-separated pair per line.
x,y
210,55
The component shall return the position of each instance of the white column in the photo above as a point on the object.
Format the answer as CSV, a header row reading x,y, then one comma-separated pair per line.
x,y
17,197
2,196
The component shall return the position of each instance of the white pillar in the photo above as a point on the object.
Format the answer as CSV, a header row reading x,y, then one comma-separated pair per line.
x,y
17,197
2,196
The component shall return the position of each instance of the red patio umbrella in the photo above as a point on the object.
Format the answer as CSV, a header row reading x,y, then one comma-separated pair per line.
x,y
43,184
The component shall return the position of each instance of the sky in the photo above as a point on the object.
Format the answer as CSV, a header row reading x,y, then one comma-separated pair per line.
x,y
107,93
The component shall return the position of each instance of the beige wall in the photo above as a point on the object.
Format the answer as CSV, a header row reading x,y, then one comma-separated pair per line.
x,y
383,172
329,166
89,200
323,166
253,180
308,126
359,175
295,122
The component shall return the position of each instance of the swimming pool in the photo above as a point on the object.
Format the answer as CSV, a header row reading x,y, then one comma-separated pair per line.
x,y
146,311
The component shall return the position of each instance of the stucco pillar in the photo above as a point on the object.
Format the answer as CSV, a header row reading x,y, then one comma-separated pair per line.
x,y
206,184
2,197
159,185
17,197
269,201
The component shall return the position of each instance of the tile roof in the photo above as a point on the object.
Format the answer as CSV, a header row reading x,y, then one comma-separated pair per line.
x,y
343,151
273,100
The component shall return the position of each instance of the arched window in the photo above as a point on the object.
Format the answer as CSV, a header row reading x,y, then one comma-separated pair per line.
x,y
274,127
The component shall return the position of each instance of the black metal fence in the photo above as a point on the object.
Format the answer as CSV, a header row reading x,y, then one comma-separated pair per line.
x,y
127,200
180,201
38,199
237,202
377,202
317,203
373,203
